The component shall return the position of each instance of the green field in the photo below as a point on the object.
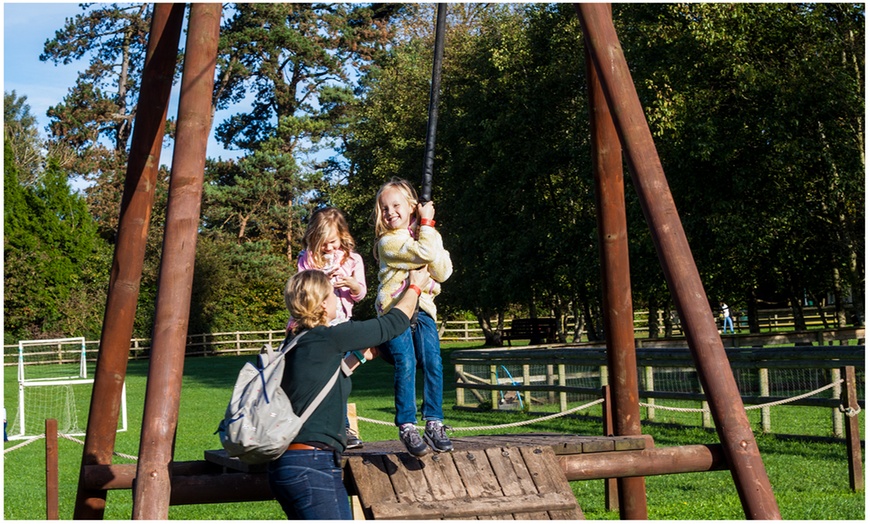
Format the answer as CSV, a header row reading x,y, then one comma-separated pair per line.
x,y
809,478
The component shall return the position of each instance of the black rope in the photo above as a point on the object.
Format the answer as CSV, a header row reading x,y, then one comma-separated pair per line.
x,y
429,153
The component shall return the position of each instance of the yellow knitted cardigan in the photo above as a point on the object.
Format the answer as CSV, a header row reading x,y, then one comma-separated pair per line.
x,y
399,252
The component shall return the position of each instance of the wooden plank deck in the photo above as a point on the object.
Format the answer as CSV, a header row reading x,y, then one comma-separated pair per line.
x,y
485,476
501,483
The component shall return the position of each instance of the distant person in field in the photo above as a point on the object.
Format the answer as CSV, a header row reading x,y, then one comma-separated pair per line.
x,y
726,317
406,239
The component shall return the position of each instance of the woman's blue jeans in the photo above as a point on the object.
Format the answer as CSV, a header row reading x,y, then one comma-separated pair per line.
x,y
308,485
413,348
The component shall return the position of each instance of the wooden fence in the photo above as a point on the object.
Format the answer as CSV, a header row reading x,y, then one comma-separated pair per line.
x,y
540,375
244,342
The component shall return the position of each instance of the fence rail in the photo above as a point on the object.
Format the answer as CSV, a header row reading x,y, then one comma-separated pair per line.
x,y
520,378
245,342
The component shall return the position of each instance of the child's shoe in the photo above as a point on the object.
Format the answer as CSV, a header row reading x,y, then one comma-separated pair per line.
x,y
353,440
436,436
410,437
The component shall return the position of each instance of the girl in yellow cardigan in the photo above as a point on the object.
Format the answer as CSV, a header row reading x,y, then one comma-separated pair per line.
x,y
406,239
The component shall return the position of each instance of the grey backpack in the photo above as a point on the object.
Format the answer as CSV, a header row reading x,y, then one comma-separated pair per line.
x,y
259,422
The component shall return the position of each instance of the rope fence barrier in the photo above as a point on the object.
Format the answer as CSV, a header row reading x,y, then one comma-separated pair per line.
x,y
850,412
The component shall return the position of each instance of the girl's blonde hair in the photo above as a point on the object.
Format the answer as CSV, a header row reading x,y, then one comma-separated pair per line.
x,y
304,295
407,190
322,224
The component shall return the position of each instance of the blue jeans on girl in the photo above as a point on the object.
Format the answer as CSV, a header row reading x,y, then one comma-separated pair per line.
x,y
308,485
419,347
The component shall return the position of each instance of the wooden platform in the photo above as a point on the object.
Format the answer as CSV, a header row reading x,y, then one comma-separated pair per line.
x,y
510,482
484,477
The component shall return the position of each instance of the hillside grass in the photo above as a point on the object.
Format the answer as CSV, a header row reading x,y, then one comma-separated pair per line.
x,y
809,477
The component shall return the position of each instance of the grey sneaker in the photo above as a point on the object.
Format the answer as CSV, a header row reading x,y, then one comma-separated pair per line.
x,y
353,440
436,436
410,437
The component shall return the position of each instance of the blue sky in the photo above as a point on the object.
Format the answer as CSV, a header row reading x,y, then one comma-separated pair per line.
x,y
26,27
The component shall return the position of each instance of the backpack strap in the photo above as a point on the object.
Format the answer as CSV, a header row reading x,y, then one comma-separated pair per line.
x,y
320,396
290,345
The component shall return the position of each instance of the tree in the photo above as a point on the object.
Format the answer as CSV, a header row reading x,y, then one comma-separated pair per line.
x,y
296,59
52,258
733,92
507,193
19,130
95,118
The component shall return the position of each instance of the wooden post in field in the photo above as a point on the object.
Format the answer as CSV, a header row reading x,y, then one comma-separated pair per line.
x,y
837,420
607,172
853,438
51,470
764,391
611,488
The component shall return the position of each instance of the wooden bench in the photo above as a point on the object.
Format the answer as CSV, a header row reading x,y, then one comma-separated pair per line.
x,y
535,330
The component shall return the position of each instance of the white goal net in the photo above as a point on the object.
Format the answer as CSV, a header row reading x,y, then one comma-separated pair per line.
x,y
55,381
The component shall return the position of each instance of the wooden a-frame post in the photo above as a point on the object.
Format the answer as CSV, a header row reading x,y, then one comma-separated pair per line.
x,y
675,256
152,488
616,286
135,217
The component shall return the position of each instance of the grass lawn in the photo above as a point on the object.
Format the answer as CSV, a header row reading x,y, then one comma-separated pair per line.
x,y
809,478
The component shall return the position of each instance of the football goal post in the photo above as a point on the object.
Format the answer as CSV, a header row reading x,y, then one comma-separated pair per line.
x,y
55,381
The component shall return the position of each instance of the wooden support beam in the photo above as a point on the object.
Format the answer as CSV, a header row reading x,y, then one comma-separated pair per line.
x,y
151,494
197,482
678,264
201,482
648,462
130,243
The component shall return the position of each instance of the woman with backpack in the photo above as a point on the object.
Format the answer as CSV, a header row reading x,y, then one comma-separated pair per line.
x,y
306,479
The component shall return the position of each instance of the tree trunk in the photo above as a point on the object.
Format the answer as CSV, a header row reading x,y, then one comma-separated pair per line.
x,y
797,311
579,322
752,311
667,320
652,319
492,337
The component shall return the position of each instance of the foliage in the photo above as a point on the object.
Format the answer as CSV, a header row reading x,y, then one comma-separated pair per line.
x,y
757,110
745,138
294,63
94,122
19,131
238,285
52,257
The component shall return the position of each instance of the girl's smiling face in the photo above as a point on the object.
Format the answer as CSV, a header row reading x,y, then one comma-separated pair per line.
x,y
395,209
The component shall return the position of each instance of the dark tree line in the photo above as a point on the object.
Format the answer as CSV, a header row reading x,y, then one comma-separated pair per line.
x,y
757,111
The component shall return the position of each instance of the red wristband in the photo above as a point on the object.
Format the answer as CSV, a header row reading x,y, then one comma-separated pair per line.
x,y
427,222
416,289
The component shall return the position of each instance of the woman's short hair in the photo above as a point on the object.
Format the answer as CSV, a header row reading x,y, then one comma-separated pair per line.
x,y
304,295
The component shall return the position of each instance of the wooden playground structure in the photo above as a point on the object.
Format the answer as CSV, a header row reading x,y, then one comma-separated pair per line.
x,y
499,475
